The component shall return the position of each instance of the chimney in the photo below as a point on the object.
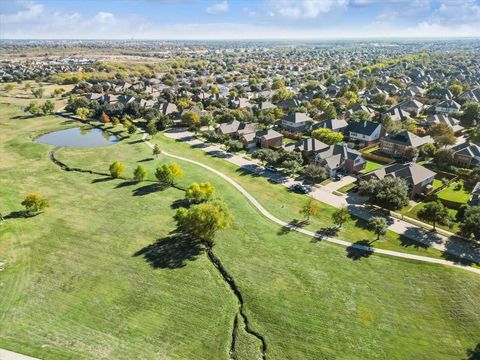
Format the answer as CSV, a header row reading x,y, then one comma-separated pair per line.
x,y
364,124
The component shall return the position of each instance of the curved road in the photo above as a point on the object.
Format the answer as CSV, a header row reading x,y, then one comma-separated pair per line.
x,y
311,233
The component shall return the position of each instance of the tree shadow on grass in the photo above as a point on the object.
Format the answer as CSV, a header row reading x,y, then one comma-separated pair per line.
x,y
360,249
419,238
292,225
148,189
171,252
324,233
125,184
21,214
146,159
179,203
100,180
474,354
135,141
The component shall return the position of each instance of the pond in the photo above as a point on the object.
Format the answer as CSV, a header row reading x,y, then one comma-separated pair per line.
x,y
81,137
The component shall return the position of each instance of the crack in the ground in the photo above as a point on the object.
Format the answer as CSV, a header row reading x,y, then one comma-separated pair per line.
x,y
233,286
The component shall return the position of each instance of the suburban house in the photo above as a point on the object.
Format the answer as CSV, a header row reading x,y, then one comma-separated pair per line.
x,y
265,105
296,122
466,155
365,132
235,128
167,108
417,177
308,147
411,106
289,103
332,124
452,123
396,144
447,106
339,157
262,138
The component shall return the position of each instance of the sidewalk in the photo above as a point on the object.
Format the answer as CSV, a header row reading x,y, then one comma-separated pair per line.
x,y
354,202
10,355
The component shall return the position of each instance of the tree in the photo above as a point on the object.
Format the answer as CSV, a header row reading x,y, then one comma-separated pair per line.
x,y
199,192
167,174
291,166
471,113
410,153
33,108
379,99
470,224
132,129
442,134
116,169
105,118
82,112
233,145
310,208
444,157
428,150
360,115
48,107
389,192
267,156
378,225
35,203
156,151
327,136
140,173
315,173
38,93
436,213
329,113
340,216
152,127
191,119
204,220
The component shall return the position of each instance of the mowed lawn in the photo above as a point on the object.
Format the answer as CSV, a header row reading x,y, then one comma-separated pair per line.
x,y
72,287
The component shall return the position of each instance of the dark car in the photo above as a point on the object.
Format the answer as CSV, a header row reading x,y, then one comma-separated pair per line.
x,y
299,188
271,168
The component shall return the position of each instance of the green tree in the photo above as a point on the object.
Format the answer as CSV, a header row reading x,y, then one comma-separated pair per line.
x,y
48,107
389,192
329,113
152,127
35,203
292,166
428,150
116,169
340,216
167,174
33,108
156,151
327,136
435,213
315,173
202,221
442,134
470,223
199,192
233,145
140,173
82,112
38,93
378,225
471,113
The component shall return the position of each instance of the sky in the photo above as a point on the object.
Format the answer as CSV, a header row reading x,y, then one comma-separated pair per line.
x,y
237,19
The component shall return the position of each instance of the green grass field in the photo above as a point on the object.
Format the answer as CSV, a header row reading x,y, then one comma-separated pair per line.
x,y
371,166
81,280
454,194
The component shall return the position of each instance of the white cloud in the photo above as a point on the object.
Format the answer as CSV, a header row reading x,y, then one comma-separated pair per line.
x,y
105,17
29,11
218,8
303,9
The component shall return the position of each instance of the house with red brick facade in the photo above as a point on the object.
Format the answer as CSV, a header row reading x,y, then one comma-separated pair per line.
x,y
397,144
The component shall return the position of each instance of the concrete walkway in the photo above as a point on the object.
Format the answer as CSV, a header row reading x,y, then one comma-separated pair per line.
x,y
453,246
10,355
291,227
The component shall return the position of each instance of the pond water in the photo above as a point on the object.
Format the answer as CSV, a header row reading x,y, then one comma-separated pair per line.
x,y
78,137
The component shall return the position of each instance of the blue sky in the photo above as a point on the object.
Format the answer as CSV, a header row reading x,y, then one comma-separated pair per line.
x,y
237,19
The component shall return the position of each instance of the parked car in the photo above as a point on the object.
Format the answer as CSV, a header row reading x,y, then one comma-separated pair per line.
x,y
271,168
299,188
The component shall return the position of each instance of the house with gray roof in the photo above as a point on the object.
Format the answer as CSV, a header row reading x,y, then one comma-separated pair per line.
x,y
339,157
466,155
397,144
417,177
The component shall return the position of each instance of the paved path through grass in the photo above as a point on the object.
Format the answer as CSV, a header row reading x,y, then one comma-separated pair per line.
x,y
288,226
10,355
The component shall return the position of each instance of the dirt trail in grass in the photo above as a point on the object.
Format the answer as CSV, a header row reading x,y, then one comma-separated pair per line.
x,y
291,227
